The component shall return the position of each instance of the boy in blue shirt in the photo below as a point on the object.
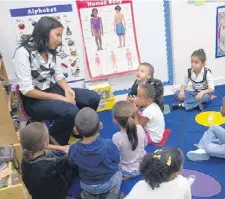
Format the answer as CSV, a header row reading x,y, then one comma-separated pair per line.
x,y
97,158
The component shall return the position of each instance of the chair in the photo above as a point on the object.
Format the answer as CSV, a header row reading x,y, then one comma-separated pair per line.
x,y
27,118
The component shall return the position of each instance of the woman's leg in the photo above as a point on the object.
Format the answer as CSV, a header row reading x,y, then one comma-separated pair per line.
x,y
62,113
96,41
86,98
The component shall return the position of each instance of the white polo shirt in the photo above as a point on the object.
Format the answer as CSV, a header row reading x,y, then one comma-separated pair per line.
x,y
199,78
36,74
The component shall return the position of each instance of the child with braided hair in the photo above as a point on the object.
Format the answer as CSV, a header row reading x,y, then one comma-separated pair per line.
x,y
151,118
162,176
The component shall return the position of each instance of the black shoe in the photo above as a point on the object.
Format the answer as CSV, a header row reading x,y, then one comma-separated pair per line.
x,y
177,105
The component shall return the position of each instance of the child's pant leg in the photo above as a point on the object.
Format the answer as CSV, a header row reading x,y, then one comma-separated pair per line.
x,y
190,102
206,98
215,134
176,94
207,138
216,150
219,133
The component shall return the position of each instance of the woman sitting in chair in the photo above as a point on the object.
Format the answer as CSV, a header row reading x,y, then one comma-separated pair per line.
x,y
45,93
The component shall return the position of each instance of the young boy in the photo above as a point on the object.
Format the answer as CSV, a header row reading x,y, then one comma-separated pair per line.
x,y
97,158
202,84
120,26
212,143
145,74
46,174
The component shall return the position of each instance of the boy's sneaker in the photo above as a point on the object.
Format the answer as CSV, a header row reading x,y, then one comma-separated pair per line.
x,y
198,155
177,105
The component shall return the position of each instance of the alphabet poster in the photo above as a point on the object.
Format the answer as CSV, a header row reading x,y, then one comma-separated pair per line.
x,y
109,37
25,20
220,32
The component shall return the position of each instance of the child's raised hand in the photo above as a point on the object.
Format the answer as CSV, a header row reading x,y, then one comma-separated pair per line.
x,y
199,96
131,98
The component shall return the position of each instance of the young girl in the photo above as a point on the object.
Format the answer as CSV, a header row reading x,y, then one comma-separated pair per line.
x,y
161,171
96,28
46,174
130,140
145,74
151,119
202,84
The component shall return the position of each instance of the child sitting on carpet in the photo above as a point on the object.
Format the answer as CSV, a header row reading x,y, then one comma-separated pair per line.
x,y
151,119
98,159
212,144
145,74
202,84
130,140
46,174
162,176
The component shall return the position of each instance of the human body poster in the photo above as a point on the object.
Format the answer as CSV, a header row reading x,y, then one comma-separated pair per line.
x,y
109,37
25,20
220,32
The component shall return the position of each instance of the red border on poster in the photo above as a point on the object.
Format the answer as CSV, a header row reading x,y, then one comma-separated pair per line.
x,y
99,3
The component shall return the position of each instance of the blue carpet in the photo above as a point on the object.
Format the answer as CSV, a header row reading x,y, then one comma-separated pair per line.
x,y
185,133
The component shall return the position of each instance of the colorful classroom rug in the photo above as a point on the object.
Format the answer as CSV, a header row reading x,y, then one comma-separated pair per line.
x,y
185,133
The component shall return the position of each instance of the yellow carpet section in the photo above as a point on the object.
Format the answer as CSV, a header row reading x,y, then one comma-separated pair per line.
x,y
210,118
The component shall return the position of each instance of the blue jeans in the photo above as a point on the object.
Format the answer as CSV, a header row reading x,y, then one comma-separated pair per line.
x,y
114,181
130,174
189,99
62,113
213,141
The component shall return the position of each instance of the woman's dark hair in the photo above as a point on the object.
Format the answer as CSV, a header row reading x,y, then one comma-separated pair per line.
x,y
124,114
39,39
118,8
200,53
155,89
92,12
33,138
159,166
151,68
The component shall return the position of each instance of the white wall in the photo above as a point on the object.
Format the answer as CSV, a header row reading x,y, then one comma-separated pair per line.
x,y
194,27
150,28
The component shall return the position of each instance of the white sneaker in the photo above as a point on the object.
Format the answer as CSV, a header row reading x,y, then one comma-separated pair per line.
x,y
198,155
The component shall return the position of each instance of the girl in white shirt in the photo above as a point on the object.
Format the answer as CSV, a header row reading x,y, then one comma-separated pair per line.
x,y
130,140
151,118
161,171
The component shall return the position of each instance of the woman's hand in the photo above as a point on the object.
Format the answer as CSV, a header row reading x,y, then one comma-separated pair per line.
x,y
65,99
70,94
